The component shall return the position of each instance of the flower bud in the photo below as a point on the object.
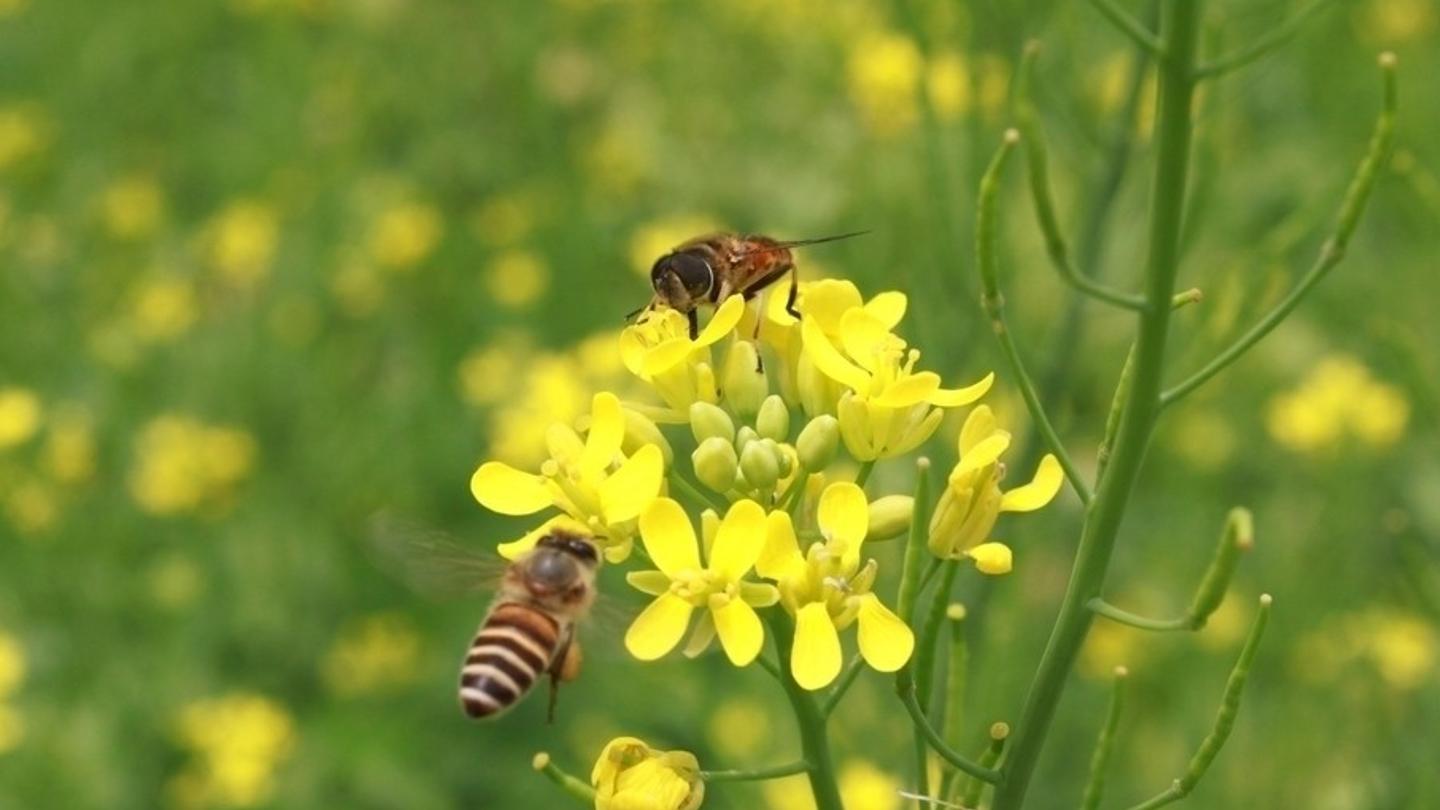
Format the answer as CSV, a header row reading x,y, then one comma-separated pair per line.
x,y
715,463
818,393
710,421
889,517
760,466
774,419
709,527
744,382
640,430
745,436
818,443
992,558
786,458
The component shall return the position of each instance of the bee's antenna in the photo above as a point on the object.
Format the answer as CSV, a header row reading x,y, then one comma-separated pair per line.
x,y
803,242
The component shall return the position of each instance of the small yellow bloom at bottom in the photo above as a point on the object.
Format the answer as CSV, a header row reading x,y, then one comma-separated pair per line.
x,y
20,414
630,775
992,558
866,787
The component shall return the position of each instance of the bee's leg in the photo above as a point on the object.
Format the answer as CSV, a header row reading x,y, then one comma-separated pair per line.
x,y
751,295
790,296
694,324
563,667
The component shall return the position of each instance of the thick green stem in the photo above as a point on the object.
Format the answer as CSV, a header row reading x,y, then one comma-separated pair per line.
x,y
1180,28
814,741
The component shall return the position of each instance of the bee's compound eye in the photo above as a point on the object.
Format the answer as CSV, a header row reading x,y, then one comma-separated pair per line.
x,y
691,269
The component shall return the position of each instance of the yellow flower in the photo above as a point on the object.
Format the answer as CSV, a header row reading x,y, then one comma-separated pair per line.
x,y
182,464
24,131
12,728
683,583
658,349
890,408
377,652
517,278
405,235
358,288
866,787
238,741
31,506
1403,648
884,70
12,665
20,415
1339,399
242,241
948,82
972,501
505,219
630,775
163,309
591,481
132,207
827,589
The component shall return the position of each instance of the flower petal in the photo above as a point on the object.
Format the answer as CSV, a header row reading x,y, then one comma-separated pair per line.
x,y
781,554
978,427
607,431
633,486
829,360
669,538
886,642
866,339
504,489
759,594
917,433
844,518
888,307
984,453
525,542
827,301
652,582
665,356
955,397
739,540
815,659
723,322
992,558
658,628
1040,491
740,632
911,389
700,637
633,351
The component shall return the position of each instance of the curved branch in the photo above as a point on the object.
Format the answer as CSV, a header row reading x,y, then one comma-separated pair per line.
x,y
1282,34
1130,27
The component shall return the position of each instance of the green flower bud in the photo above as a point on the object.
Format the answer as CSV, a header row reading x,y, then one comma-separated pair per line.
x,y
786,457
819,442
715,463
745,436
774,419
640,431
744,382
710,421
759,465
890,517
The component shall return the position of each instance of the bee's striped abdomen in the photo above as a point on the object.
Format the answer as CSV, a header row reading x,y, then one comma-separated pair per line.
x,y
512,649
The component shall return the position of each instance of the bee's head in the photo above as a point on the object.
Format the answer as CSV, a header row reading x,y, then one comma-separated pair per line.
x,y
681,280
561,566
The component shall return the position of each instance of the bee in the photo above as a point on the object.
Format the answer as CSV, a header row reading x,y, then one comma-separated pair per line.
x,y
709,269
530,627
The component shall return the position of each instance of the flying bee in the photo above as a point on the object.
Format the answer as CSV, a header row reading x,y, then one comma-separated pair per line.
x,y
709,269
530,627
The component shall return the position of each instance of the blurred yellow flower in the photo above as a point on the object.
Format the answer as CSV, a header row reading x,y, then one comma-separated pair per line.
x,y
552,389
630,775
358,288
1339,400
948,81
132,207
32,506
993,93
866,787
617,159
241,242
883,71
183,465
1107,646
12,665
790,793
1391,22
372,654
10,8
487,374
1203,437
20,415
1404,649
24,132
517,278
237,742
174,581
657,237
163,308
504,219
405,235
739,727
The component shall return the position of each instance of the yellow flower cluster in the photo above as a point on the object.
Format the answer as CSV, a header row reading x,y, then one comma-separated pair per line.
x,y
236,743
887,74
240,242
375,653
777,535
184,465
33,484
12,674
1403,648
1338,401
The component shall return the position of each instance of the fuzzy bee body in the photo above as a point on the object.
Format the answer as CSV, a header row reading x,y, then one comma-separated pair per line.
x,y
530,628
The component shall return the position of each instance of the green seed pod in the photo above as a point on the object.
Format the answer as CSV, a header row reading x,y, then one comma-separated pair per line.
x,y
710,421
890,517
819,442
759,465
744,383
773,422
640,431
715,463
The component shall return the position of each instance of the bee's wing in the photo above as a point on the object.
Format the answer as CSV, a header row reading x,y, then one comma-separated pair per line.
x,y
430,561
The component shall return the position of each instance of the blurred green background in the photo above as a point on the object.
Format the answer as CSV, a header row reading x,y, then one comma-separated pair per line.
x,y
269,266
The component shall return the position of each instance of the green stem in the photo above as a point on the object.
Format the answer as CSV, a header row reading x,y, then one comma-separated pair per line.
x,y
1278,36
905,685
994,304
756,774
1104,744
864,473
956,669
1130,27
930,634
570,785
999,732
1180,27
847,679
1331,253
915,546
1100,607
697,494
814,741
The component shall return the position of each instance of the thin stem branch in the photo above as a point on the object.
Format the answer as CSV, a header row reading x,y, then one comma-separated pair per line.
x,y
1356,197
906,687
1038,162
694,492
1278,36
847,679
994,304
757,774
1130,27
1100,607
570,785
1224,718
999,732
1104,744
956,670
864,474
